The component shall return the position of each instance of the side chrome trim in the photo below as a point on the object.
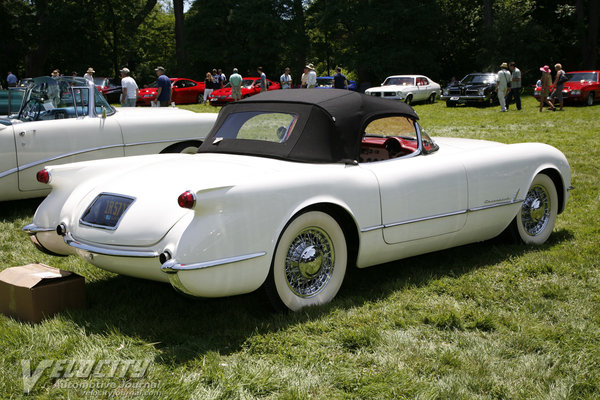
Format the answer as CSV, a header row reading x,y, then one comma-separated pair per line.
x,y
69,240
411,221
58,157
74,153
172,266
162,141
8,172
504,203
450,214
32,229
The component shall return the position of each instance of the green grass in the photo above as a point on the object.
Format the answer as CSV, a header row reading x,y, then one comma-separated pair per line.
x,y
485,321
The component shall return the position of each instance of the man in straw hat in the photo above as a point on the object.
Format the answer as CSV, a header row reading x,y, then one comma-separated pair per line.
x,y
89,75
503,81
311,80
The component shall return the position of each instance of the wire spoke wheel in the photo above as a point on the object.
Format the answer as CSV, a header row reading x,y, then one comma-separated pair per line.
x,y
536,218
535,212
309,263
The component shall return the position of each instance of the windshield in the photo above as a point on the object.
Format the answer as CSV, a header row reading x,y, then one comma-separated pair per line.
x,y
479,78
100,81
63,97
392,137
325,82
583,77
247,83
401,81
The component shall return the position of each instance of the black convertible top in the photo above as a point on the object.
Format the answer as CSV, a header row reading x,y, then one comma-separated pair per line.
x,y
329,129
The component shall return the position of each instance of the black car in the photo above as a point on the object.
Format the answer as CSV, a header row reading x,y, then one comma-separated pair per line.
x,y
110,88
476,88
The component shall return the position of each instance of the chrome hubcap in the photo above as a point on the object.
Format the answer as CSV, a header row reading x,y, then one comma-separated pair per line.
x,y
535,211
309,262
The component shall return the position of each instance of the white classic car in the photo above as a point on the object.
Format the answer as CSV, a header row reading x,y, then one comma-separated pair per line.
x,y
301,184
66,120
408,88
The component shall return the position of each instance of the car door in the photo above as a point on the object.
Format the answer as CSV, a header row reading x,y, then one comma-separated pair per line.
x,y
424,88
421,196
61,141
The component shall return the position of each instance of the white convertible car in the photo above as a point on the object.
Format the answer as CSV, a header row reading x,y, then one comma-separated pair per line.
x,y
291,187
66,120
407,88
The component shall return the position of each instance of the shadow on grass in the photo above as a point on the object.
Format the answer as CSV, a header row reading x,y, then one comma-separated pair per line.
x,y
184,327
11,210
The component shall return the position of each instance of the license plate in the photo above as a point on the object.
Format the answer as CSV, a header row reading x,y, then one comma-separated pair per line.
x,y
106,211
454,98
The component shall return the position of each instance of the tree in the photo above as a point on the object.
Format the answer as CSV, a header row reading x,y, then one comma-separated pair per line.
x,y
179,35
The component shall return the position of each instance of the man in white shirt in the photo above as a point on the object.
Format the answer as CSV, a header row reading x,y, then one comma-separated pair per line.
x,y
130,89
503,82
311,82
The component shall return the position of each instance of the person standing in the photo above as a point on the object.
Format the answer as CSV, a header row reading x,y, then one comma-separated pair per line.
x,y
130,89
304,77
89,75
11,80
545,82
503,82
56,74
236,85
286,79
559,85
208,86
339,80
217,82
515,86
263,79
311,80
163,94
222,77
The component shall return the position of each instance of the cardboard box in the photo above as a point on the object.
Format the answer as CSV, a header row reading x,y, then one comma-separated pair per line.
x,y
35,291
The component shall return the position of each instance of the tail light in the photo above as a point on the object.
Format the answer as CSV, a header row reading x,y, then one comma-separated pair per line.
x,y
187,199
43,176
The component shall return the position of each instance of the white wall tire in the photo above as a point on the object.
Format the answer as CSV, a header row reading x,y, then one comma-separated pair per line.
x,y
536,218
309,264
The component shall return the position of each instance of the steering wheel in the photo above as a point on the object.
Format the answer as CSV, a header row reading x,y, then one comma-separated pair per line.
x,y
31,110
281,132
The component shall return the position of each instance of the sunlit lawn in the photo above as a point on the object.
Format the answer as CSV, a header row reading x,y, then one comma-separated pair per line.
x,y
484,321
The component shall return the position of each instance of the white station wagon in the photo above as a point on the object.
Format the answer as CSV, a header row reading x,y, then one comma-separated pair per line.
x,y
407,88
66,120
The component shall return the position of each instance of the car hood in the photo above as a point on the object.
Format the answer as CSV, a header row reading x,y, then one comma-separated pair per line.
x,y
148,90
221,92
578,85
155,182
394,88
473,85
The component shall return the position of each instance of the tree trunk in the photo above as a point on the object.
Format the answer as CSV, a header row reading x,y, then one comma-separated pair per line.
x,y
37,56
301,40
487,15
180,52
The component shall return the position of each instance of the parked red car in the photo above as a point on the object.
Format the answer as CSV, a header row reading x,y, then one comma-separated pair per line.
x,y
250,87
184,91
582,87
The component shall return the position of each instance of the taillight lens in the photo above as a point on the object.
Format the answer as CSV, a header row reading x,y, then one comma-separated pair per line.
x,y
43,176
186,199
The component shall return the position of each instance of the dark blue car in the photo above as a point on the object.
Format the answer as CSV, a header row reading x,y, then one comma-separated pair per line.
x,y
326,82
